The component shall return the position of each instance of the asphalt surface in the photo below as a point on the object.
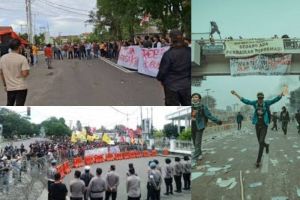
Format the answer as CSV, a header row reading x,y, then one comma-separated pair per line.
x,y
218,174
89,83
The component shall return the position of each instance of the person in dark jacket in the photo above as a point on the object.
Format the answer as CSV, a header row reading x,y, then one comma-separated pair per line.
x,y
86,177
297,117
239,119
175,72
58,190
261,119
274,120
285,119
200,115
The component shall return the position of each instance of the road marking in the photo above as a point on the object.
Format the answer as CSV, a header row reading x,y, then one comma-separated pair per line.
x,y
116,66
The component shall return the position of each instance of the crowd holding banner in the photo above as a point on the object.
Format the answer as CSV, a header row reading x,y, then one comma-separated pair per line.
x,y
144,60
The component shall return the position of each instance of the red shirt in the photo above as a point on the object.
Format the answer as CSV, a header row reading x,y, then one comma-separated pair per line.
x,y
48,52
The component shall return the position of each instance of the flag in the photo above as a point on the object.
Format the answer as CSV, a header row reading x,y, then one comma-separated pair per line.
x,y
138,131
132,140
106,138
146,18
131,133
122,139
73,138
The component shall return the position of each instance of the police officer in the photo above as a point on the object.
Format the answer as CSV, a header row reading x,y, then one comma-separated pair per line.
x,y
168,176
86,177
285,119
133,185
187,169
175,72
154,180
50,174
112,182
77,187
178,169
97,186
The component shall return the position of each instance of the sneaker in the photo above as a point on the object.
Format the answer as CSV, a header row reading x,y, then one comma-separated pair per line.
x,y
267,148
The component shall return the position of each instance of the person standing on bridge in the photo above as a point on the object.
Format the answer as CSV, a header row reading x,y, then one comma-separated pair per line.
x,y
14,69
274,120
112,183
175,72
239,119
285,119
261,119
200,116
297,117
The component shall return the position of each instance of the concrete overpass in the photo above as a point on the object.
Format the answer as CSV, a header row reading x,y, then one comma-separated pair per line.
x,y
208,58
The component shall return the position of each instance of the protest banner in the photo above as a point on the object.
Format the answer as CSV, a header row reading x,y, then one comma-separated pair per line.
x,y
150,60
261,65
250,47
129,57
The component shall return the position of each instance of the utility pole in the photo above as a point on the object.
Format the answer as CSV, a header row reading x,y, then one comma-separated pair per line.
x,y
29,20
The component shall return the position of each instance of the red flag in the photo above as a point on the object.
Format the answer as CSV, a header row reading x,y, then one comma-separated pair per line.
x,y
146,18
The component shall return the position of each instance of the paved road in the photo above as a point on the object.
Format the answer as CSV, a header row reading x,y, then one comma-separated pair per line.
x,y
90,83
140,165
224,158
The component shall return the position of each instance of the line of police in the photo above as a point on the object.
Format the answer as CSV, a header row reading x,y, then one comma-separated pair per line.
x,y
87,186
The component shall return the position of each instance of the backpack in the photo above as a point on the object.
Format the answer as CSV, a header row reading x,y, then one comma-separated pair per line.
x,y
267,110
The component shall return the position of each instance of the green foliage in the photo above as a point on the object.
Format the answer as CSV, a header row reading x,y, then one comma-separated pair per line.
x,y
170,130
185,135
56,127
158,134
121,19
14,125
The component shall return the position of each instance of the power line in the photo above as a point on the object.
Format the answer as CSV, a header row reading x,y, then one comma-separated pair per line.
x,y
68,7
66,10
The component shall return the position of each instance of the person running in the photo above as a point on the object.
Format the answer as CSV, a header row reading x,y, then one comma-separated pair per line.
x,y
178,169
297,117
154,180
133,185
86,177
97,186
77,187
112,183
51,176
168,176
14,70
187,169
58,190
261,119
239,119
48,54
274,120
175,72
285,119
200,116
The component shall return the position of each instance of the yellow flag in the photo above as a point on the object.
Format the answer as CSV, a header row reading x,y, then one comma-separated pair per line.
x,y
106,138
73,138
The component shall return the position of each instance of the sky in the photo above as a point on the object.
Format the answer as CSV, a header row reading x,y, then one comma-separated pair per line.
x,y
98,116
246,86
247,18
49,12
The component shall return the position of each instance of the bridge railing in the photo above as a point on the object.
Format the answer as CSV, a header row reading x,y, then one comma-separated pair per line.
x,y
291,45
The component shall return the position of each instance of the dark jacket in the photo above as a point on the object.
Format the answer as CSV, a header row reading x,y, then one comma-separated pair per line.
x,y
239,118
175,68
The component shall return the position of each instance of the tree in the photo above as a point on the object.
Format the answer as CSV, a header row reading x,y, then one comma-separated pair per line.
x,y
78,126
209,101
158,134
15,125
170,130
56,127
186,134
